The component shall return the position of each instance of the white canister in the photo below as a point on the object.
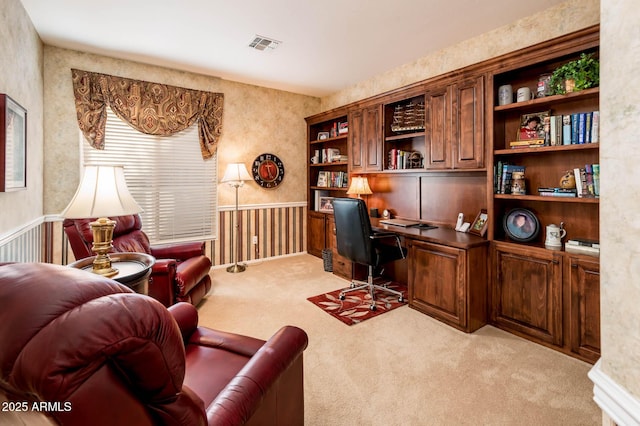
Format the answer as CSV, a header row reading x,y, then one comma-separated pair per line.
x,y
505,94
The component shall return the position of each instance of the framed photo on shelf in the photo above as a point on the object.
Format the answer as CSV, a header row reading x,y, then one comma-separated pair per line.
x,y
479,226
323,180
343,127
326,204
323,135
13,145
532,125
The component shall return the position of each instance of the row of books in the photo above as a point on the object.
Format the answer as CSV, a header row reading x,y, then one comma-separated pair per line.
x,y
587,180
328,179
399,159
329,155
583,246
502,176
571,129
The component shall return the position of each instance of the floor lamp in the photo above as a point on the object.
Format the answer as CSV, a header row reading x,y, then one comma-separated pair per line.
x,y
235,175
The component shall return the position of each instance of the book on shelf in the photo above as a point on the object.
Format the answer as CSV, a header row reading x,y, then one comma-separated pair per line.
x,y
529,143
578,249
583,242
574,129
587,185
557,192
507,171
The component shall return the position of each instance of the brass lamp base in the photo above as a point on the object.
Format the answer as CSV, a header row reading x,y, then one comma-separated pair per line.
x,y
236,268
102,230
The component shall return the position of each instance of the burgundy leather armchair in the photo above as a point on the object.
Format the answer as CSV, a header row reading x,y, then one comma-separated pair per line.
x,y
181,271
99,354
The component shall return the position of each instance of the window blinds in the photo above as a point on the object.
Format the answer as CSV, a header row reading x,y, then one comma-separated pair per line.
x,y
167,176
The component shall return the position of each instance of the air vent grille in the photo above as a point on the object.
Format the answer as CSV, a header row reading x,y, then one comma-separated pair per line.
x,y
264,43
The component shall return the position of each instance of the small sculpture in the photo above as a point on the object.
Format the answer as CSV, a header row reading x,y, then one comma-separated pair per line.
x,y
568,180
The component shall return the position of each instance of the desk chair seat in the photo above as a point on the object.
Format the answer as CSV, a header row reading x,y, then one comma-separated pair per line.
x,y
357,242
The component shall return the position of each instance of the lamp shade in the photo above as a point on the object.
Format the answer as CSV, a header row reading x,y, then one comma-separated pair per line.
x,y
102,192
236,173
359,186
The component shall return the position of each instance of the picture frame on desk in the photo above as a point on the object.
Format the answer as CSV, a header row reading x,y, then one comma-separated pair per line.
x,y
13,145
326,204
479,226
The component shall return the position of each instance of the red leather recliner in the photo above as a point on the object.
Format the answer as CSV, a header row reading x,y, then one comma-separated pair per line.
x,y
181,271
97,353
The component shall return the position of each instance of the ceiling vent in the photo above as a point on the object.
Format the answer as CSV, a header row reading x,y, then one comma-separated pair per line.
x,y
264,43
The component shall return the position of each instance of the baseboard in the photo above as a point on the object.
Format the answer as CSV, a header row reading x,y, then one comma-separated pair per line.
x,y
613,399
258,261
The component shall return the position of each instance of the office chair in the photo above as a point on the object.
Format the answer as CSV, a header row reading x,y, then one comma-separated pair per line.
x,y
357,242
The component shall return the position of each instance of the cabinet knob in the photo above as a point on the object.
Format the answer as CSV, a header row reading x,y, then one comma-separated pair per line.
x,y
574,265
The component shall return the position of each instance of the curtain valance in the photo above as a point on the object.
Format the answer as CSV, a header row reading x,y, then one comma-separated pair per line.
x,y
151,108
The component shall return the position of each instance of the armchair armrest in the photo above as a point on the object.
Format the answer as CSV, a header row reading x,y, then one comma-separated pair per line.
x,y
186,316
276,369
178,251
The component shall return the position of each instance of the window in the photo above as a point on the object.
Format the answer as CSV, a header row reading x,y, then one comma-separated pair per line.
x,y
166,175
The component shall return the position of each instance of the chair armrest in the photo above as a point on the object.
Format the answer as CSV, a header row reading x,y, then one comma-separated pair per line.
x,y
230,342
275,360
389,235
178,251
186,316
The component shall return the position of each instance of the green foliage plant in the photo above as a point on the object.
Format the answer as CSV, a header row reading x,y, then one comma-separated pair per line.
x,y
584,71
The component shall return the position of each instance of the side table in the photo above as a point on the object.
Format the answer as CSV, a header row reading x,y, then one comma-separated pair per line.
x,y
133,269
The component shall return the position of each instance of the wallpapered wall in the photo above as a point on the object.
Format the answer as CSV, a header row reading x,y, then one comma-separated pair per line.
x,y
255,120
21,79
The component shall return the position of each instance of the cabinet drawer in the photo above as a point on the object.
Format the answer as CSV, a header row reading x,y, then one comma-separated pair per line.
x,y
341,266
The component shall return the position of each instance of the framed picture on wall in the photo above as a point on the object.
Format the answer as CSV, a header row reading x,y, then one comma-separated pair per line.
x,y
13,145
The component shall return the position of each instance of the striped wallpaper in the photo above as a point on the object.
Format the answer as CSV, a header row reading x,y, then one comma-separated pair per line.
x,y
280,230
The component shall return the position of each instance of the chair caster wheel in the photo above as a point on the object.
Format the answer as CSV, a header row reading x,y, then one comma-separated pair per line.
x,y
372,308
401,299
341,297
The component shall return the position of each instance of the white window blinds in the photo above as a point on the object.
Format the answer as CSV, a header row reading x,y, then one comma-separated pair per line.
x,y
167,176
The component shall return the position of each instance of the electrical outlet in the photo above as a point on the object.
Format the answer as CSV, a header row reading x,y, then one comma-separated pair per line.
x,y
255,239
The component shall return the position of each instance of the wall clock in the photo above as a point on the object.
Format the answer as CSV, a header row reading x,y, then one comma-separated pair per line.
x,y
268,170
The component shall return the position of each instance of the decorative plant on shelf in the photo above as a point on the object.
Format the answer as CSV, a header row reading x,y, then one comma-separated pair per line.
x,y
580,74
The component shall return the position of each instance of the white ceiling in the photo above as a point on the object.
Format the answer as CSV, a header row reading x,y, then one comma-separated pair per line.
x,y
327,45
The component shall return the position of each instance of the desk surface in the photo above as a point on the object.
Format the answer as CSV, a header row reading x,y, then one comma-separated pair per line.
x,y
447,236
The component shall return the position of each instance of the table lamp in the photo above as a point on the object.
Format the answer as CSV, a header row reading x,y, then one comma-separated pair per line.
x,y
359,186
102,193
235,175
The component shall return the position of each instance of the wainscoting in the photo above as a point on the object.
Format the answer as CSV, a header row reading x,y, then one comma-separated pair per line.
x,y
280,230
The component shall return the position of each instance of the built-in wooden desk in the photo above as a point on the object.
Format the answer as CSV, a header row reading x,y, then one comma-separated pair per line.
x,y
447,274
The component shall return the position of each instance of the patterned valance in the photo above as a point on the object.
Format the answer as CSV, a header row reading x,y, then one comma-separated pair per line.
x,y
151,108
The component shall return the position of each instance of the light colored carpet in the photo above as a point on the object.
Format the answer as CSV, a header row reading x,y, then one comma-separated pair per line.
x,y
403,367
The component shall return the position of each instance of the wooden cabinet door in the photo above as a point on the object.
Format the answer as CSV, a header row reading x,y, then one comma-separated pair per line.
x,y
527,292
468,124
438,129
437,282
365,139
584,314
316,236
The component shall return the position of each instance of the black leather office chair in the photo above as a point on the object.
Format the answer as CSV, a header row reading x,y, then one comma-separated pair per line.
x,y
357,242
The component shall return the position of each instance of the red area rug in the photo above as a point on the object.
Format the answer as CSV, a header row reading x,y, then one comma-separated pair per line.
x,y
355,307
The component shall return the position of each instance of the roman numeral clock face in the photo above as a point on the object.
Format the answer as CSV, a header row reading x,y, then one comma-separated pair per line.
x,y
268,170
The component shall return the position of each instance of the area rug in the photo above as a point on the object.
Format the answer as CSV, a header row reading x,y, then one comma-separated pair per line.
x,y
355,307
